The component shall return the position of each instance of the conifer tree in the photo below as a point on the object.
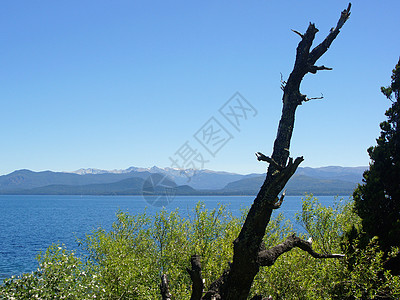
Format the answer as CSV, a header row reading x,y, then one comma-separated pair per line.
x,y
377,200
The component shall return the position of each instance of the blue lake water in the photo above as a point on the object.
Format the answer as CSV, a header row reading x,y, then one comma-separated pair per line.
x,y
29,224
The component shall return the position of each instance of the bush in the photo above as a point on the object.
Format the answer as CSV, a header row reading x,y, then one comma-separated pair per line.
x,y
127,261
296,274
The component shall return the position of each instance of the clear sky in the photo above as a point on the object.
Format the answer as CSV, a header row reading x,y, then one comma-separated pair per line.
x,y
114,84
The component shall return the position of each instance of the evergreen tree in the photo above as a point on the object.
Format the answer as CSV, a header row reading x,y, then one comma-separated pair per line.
x,y
377,200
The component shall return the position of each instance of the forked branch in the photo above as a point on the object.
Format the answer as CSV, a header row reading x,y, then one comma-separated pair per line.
x,y
318,51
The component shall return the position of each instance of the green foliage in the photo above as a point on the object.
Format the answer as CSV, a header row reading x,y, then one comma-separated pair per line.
x,y
325,225
367,277
297,275
212,234
131,258
127,261
61,275
123,258
377,200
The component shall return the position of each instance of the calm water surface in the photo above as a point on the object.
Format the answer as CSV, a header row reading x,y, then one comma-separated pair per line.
x,y
29,224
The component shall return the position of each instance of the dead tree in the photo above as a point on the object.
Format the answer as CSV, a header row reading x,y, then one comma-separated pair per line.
x,y
249,251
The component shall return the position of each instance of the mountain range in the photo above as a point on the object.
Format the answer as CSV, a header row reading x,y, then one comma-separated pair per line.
x,y
319,181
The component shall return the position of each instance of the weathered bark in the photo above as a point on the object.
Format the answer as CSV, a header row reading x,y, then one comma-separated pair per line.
x,y
195,276
249,251
268,257
249,255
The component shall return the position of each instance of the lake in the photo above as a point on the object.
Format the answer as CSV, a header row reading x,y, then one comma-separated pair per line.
x,y
29,224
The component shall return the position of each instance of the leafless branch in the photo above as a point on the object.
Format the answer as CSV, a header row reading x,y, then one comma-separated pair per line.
x,y
262,157
314,98
283,83
295,31
314,69
268,257
319,50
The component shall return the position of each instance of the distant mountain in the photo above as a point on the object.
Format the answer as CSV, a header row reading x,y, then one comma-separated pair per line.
x,y
319,181
297,185
115,171
198,179
25,179
351,174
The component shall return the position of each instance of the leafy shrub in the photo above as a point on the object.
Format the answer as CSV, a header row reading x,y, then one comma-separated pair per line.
x,y
127,261
296,274
61,275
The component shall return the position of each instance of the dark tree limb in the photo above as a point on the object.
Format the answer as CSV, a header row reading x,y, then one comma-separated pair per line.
x,y
236,281
318,51
314,98
164,288
195,276
213,292
262,157
283,83
296,32
314,69
268,257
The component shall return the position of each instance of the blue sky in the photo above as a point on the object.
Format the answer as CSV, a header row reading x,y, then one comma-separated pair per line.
x,y
100,84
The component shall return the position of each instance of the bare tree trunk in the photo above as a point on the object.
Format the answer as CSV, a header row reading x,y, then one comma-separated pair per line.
x,y
249,250
249,254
